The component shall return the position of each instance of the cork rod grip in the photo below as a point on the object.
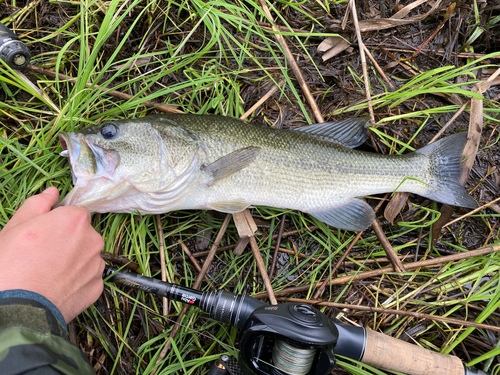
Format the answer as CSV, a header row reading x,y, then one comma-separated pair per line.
x,y
392,354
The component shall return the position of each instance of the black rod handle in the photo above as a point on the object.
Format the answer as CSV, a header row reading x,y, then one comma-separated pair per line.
x,y
223,306
171,291
12,50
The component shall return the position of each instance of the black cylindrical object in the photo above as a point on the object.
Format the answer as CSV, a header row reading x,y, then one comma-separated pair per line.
x,y
12,50
222,306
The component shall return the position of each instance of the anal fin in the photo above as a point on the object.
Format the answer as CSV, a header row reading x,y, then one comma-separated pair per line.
x,y
354,214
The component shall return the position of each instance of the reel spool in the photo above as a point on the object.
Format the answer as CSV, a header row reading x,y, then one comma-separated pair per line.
x,y
290,338
292,360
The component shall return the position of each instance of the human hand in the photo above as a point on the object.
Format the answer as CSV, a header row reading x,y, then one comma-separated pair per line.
x,y
54,253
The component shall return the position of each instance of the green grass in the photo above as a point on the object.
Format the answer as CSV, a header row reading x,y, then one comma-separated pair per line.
x,y
202,58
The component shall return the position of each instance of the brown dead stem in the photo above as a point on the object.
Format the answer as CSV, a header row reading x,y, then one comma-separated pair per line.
x,y
413,314
321,289
295,68
376,226
189,255
161,239
229,247
277,247
196,285
262,100
363,60
391,254
381,271
245,224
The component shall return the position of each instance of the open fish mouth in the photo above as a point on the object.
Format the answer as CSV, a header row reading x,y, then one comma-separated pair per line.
x,y
87,160
69,152
64,146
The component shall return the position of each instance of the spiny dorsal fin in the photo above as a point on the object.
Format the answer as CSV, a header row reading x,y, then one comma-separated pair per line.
x,y
351,132
231,163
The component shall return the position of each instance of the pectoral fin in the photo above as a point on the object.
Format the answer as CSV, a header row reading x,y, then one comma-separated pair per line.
x,y
231,163
355,215
229,207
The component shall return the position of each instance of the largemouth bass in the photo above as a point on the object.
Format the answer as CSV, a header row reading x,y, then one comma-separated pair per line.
x,y
163,163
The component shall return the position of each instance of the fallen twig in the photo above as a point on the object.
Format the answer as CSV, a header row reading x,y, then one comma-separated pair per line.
x,y
363,60
321,289
449,12
196,285
391,254
246,227
413,314
190,256
162,260
277,248
262,100
262,268
295,68
472,212
376,226
229,247
381,271
452,120
377,66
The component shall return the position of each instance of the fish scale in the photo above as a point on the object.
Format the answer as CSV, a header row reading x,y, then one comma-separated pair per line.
x,y
161,163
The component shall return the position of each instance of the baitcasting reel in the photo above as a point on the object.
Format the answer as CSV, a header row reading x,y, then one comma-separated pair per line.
x,y
295,338
290,338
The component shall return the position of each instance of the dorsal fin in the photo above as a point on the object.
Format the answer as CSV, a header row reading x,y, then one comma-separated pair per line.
x,y
351,132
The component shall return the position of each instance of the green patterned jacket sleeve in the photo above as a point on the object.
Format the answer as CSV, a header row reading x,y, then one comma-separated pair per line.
x,y
33,338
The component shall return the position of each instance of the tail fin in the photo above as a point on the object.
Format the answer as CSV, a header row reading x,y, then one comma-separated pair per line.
x,y
445,158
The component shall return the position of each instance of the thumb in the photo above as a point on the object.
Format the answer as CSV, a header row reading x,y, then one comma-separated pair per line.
x,y
35,206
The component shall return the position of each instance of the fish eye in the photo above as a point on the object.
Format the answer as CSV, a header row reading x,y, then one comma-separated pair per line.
x,y
109,131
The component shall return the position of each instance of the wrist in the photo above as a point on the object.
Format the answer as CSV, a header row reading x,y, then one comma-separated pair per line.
x,y
21,294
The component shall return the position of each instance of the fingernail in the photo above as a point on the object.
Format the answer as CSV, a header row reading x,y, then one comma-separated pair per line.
x,y
48,189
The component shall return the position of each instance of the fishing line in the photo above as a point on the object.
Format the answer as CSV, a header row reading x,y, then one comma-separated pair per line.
x,y
292,360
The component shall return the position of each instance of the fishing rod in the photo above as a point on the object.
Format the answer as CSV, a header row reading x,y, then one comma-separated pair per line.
x,y
12,50
295,338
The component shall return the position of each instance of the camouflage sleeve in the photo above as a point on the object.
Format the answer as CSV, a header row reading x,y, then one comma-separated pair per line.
x,y
33,338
